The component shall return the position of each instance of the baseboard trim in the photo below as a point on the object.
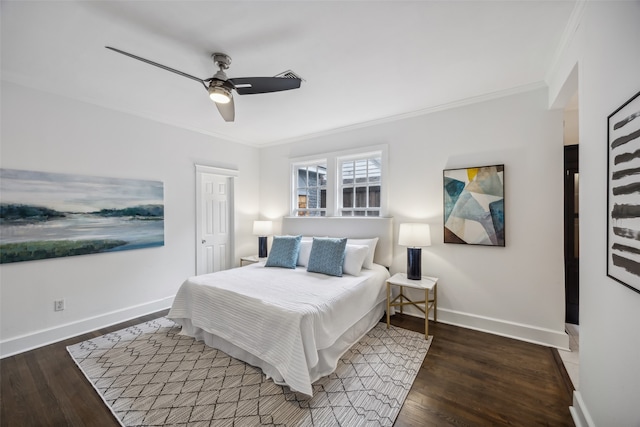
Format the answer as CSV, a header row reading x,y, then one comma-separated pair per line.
x,y
504,328
579,412
519,331
20,344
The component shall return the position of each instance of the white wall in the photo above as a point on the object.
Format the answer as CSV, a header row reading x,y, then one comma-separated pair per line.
x,y
571,133
607,50
515,291
45,132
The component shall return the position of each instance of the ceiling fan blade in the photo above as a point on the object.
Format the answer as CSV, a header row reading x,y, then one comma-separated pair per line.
x,y
164,67
253,85
227,111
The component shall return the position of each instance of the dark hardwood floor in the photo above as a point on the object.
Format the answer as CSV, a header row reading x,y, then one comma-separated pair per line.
x,y
468,378
471,378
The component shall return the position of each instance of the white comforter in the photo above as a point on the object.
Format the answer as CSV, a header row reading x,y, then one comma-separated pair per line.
x,y
281,316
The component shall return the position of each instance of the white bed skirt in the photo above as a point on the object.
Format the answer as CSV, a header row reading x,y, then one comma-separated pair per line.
x,y
327,358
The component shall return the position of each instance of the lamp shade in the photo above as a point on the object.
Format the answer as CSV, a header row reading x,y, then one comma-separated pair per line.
x,y
262,228
414,235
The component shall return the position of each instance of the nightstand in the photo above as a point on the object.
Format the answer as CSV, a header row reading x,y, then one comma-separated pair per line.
x,y
427,284
252,259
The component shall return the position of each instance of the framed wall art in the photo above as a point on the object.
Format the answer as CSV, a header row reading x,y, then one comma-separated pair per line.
x,y
474,205
51,215
623,194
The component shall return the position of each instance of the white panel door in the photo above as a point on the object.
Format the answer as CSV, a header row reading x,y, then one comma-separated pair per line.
x,y
215,223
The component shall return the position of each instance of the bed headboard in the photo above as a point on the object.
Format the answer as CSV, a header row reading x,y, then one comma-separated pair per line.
x,y
355,228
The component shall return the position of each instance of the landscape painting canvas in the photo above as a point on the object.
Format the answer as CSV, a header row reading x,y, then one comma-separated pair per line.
x,y
474,206
49,215
623,194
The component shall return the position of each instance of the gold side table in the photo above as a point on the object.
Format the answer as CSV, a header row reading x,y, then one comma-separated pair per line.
x,y
427,284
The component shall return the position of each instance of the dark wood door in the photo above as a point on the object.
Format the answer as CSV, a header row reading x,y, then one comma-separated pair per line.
x,y
571,234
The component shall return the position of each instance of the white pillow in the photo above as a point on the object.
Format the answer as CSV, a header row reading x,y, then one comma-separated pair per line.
x,y
304,252
371,243
354,256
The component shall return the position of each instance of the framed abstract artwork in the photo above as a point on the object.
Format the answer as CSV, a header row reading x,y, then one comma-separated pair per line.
x,y
51,215
623,194
474,205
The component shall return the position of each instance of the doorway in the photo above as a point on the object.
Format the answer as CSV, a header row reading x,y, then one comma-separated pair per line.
x,y
571,234
214,219
568,100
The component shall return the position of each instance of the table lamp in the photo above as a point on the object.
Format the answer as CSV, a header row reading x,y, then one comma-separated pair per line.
x,y
262,229
414,236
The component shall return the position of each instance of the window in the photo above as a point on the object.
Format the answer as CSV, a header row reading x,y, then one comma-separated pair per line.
x,y
311,189
360,181
346,183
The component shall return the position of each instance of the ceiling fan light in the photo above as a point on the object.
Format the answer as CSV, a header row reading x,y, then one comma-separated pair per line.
x,y
219,94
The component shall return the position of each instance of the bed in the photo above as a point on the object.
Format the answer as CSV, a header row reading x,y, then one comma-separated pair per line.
x,y
291,323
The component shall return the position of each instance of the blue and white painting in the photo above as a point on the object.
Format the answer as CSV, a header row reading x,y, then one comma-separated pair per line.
x,y
474,206
49,215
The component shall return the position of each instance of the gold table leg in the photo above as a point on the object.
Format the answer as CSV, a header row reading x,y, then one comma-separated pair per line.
x,y
435,302
426,314
388,303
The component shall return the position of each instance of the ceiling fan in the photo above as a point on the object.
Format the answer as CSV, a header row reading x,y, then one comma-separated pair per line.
x,y
220,87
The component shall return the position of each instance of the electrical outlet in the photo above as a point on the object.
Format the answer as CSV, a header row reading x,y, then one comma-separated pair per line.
x,y
58,305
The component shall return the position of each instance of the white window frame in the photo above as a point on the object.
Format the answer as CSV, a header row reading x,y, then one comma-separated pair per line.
x,y
341,186
332,160
295,166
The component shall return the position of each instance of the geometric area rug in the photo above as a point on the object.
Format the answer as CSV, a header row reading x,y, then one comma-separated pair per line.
x,y
149,375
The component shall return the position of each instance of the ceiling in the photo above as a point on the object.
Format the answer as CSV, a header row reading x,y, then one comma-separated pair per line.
x,y
361,61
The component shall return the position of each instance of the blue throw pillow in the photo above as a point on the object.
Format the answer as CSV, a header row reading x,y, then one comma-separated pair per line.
x,y
327,256
284,252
